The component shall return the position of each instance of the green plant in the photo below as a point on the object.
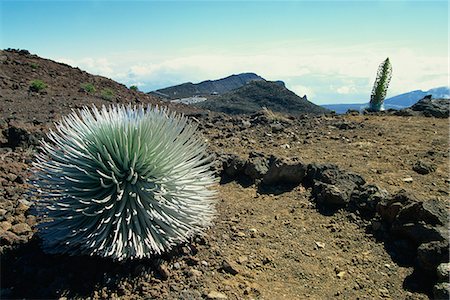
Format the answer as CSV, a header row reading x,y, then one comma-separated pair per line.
x,y
37,85
107,94
123,182
380,86
134,88
88,87
34,66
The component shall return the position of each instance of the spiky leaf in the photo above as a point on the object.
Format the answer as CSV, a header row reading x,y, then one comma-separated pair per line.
x,y
123,182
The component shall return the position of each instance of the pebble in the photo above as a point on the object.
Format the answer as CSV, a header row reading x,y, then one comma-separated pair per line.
x,y
163,271
216,295
204,263
320,245
21,228
194,273
5,226
229,267
242,259
8,238
407,179
176,266
341,274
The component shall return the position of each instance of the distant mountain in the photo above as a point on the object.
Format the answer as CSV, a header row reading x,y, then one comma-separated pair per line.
x,y
206,88
255,95
396,102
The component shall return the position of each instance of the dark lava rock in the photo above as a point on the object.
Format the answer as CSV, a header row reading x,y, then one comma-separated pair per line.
x,y
367,197
257,166
406,112
282,170
330,194
229,267
423,167
431,255
438,108
332,185
20,137
433,212
233,165
421,221
390,207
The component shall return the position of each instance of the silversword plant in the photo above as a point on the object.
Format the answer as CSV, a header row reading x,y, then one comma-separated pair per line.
x,y
123,182
380,86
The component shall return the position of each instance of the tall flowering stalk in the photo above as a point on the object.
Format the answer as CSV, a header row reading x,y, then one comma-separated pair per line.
x,y
123,182
380,86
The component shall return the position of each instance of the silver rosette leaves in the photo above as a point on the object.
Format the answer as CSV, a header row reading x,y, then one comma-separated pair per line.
x,y
123,182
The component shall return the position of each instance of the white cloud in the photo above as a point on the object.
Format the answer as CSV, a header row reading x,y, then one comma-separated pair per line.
x,y
303,90
348,71
346,90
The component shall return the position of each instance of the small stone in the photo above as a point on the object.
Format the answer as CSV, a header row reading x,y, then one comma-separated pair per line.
x,y
423,167
230,268
320,245
163,271
5,226
8,238
21,207
21,228
216,295
240,234
204,263
31,220
3,212
176,266
341,274
384,292
242,260
194,273
407,179
25,202
11,177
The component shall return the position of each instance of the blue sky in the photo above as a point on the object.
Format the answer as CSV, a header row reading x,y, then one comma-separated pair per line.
x,y
328,50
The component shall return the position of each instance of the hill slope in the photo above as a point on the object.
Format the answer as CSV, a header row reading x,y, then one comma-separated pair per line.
x,y
65,88
207,87
258,94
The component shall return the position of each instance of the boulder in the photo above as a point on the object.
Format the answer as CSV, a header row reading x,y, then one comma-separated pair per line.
x,y
283,170
367,197
330,194
390,207
233,165
438,108
431,255
257,166
332,185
